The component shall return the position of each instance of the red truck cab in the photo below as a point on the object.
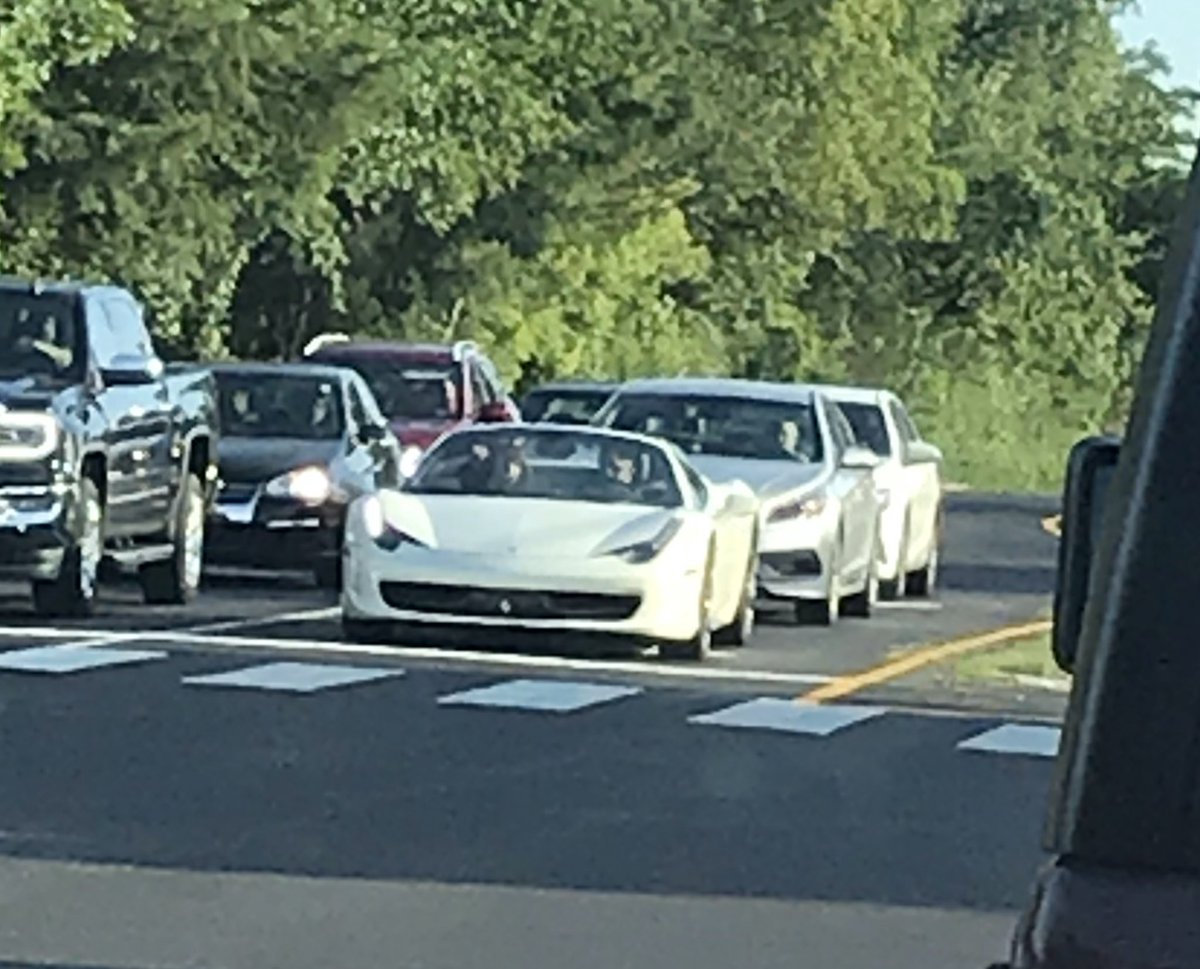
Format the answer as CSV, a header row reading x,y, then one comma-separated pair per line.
x,y
424,389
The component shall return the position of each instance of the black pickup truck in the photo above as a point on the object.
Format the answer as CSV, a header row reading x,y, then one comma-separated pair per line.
x,y
105,458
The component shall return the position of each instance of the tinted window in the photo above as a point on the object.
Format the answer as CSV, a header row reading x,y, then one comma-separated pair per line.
x,y
563,406
406,390
559,465
41,336
904,425
128,331
358,412
729,426
279,405
370,405
697,483
869,425
481,393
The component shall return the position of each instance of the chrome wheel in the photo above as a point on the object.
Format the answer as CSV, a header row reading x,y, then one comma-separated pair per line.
x,y
91,548
193,542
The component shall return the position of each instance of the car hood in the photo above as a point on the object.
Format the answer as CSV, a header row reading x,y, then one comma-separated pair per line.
x,y
28,393
488,525
766,478
259,459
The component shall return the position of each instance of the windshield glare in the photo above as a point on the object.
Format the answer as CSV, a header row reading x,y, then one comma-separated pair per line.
x,y
557,465
279,405
40,337
408,391
869,426
726,426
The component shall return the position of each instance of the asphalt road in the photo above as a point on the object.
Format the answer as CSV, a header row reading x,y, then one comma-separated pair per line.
x,y
366,808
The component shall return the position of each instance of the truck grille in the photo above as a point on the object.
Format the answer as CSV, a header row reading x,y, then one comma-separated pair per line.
x,y
506,603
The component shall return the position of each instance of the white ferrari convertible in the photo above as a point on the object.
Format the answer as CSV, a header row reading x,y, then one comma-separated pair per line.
x,y
543,527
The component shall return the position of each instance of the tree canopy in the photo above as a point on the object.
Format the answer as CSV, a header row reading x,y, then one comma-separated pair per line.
x,y
963,200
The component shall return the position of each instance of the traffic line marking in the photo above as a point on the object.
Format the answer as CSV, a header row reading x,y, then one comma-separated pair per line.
x,y
293,677
909,605
916,659
72,658
304,615
772,713
552,696
1016,738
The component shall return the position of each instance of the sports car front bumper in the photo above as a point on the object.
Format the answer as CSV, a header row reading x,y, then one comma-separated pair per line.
x,y
656,601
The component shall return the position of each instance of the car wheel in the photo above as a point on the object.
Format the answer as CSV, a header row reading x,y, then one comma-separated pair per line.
x,y
897,588
861,603
923,581
73,592
175,580
699,646
823,612
738,632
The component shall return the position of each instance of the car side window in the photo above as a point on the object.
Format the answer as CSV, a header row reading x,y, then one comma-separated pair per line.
x,y
128,332
480,392
100,337
358,411
492,378
904,425
370,405
839,428
697,483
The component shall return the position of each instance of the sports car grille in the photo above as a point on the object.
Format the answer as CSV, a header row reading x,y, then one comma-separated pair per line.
x,y
507,603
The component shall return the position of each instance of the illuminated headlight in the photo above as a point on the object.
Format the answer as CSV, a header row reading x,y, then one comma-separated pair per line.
x,y
382,532
28,436
410,459
309,485
641,552
800,508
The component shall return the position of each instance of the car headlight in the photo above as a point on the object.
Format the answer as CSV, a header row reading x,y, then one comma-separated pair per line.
x,y
410,459
28,436
310,485
801,507
382,532
640,552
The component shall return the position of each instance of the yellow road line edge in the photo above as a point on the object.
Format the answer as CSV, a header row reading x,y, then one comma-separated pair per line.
x,y
918,658
1053,525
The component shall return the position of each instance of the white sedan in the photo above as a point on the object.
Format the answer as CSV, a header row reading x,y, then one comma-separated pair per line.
x,y
791,444
909,481
544,527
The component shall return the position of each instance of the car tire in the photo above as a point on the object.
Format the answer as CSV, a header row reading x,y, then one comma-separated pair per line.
x,y
861,604
923,581
72,593
823,612
897,588
738,632
176,580
698,648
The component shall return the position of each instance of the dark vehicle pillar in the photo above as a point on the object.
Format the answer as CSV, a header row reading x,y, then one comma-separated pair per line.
x,y
1123,888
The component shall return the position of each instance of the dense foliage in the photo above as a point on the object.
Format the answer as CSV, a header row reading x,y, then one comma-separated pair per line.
x,y
962,199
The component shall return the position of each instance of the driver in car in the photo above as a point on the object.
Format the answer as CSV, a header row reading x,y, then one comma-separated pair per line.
x,y
39,346
621,464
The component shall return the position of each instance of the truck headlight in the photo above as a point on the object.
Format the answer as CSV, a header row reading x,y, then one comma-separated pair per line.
x,y
28,436
310,485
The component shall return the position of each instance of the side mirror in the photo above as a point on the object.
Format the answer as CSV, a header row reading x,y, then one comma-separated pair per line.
x,y
494,413
922,452
859,458
1090,469
372,433
132,369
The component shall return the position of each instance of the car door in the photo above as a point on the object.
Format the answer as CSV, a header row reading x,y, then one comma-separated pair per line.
x,y
855,488
138,419
922,483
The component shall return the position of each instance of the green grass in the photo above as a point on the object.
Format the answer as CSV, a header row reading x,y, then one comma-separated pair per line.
x,y
1007,664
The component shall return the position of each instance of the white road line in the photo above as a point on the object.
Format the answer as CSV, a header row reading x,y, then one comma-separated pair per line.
x,y
304,615
293,677
909,605
51,632
460,656
547,696
1016,738
788,716
72,659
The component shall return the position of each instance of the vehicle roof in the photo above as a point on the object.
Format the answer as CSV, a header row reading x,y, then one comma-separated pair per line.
x,y
440,352
843,393
317,370
721,387
567,385
586,429
65,287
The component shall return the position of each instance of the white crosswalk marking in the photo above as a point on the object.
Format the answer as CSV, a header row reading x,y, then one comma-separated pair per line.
x,y
554,696
293,677
1033,740
72,658
788,716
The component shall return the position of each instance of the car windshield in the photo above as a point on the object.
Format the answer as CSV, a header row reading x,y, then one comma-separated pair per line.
x,y
728,426
563,406
870,426
407,390
261,404
551,464
41,337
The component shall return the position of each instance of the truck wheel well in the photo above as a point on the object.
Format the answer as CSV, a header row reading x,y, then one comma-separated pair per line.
x,y
197,460
94,471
